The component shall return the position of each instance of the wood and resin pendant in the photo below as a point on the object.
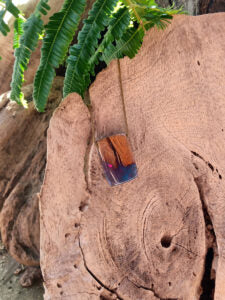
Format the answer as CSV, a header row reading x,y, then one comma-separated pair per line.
x,y
117,159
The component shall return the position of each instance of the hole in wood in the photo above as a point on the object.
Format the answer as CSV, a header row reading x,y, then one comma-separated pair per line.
x,y
166,241
83,206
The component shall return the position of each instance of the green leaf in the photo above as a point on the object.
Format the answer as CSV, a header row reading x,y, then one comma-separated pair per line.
x,y
42,8
117,26
4,28
28,42
148,14
12,8
76,78
129,45
18,31
59,34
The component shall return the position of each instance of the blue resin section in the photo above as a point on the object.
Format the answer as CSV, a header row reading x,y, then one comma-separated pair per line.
x,y
120,174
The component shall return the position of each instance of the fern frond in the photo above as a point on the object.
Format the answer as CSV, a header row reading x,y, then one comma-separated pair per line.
x,y
18,31
149,14
117,27
42,8
78,62
4,28
59,34
7,5
32,28
128,45
10,7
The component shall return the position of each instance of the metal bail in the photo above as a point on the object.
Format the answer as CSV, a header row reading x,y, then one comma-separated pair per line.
x,y
117,159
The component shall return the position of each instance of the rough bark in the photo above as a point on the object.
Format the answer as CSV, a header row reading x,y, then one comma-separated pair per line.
x,y
211,6
191,6
22,165
196,7
23,153
160,236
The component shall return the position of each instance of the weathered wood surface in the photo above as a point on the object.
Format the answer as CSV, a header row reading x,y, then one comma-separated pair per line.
x,y
23,152
160,236
22,165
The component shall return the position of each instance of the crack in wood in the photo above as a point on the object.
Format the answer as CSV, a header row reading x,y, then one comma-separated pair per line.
x,y
212,168
90,142
93,275
151,290
208,282
4,105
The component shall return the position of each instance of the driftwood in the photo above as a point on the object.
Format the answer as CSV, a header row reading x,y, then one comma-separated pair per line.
x,y
22,165
160,236
23,153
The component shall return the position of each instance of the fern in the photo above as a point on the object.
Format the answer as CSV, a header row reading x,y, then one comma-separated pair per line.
x,y
18,31
76,78
128,45
147,14
32,28
4,28
10,7
117,42
113,29
118,24
7,5
59,34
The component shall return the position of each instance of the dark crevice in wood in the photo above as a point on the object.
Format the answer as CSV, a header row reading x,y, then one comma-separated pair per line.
x,y
212,168
92,274
90,142
4,105
28,250
20,174
98,68
86,161
151,290
208,281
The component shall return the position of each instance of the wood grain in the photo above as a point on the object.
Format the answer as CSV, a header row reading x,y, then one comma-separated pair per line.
x,y
150,238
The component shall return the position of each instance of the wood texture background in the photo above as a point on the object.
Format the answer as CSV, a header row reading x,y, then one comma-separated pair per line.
x,y
152,237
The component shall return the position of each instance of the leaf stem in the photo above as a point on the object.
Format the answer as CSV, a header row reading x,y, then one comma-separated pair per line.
x,y
132,6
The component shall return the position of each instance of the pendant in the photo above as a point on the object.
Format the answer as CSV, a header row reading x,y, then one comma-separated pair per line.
x,y
117,159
